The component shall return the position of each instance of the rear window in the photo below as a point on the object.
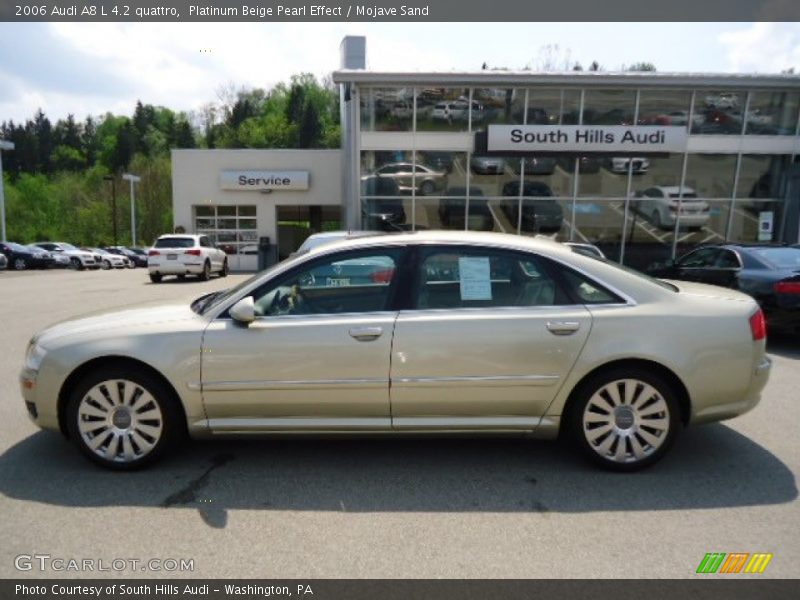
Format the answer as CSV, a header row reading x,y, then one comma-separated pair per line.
x,y
175,242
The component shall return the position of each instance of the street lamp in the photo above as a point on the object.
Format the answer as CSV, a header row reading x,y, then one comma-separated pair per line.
x,y
133,179
4,145
113,181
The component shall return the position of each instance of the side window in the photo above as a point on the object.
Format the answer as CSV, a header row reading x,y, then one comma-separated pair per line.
x,y
469,278
346,282
588,291
728,260
704,257
204,242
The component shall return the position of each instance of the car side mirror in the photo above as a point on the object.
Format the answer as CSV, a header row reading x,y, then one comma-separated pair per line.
x,y
244,310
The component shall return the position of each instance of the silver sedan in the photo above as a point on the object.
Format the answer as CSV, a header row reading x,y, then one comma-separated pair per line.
x,y
424,333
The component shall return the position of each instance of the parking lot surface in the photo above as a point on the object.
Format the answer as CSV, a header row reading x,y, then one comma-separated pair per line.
x,y
454,508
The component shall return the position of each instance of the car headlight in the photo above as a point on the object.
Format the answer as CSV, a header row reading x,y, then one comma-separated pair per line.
x,y
34,356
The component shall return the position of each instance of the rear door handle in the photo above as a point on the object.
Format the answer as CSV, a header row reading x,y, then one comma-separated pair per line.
x,y
563,327
366,334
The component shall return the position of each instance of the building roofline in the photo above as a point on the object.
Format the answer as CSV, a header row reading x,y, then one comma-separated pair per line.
x,y
717,81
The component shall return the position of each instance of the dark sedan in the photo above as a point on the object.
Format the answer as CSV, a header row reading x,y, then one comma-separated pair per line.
x,y
771,274
539,212
453,210
21,258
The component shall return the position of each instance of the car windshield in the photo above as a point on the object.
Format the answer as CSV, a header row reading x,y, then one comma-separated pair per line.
x,y
68,246
175,242
782,258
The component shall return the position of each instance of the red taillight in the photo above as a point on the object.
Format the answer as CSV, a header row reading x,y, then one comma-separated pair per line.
x,y
758,326
787,287
193,252
153,253
383,276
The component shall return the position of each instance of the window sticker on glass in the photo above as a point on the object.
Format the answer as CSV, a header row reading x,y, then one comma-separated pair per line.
x,y
475,277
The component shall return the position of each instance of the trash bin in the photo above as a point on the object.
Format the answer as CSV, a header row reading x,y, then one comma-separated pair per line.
x,y
264,253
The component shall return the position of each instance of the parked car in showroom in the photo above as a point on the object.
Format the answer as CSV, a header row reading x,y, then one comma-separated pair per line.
x,y
659,204
408,175
471,332
78,259
453,209
620,164
768,273
185,254
21,257
487,165
539,211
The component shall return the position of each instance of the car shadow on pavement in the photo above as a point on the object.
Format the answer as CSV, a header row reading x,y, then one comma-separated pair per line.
x,y
709,467
783,344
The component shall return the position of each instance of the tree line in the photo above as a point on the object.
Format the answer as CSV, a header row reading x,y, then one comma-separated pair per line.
x,y
58,178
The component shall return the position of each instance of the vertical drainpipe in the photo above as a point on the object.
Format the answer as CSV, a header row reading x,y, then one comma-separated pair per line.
x,y
353,56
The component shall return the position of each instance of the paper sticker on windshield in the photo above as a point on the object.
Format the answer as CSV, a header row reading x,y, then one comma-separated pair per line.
x,y
475,278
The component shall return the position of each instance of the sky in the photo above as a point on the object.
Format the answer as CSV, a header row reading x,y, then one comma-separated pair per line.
x,y
94,68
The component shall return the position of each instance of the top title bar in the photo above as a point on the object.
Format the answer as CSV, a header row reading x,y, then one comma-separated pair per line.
x,y
402,11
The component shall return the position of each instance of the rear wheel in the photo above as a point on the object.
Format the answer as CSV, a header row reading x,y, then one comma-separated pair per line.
x,y
206,274
155,277
225,270
20,264
123,417
625,419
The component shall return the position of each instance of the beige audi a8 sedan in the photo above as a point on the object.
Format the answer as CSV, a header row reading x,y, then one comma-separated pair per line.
x,y
417,333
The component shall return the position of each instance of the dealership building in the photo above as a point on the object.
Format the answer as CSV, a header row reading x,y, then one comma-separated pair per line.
x,y
643,164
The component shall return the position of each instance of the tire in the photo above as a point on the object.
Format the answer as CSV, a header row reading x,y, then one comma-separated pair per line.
x,y
206,274
633,437
75,263
225,270
155,277
106,265
128,413
656,220
20,264
427,188
181,277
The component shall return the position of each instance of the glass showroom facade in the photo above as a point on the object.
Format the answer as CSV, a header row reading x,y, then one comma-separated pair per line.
x,y
418,141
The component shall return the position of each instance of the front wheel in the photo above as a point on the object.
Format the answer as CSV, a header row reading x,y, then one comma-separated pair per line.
x,y
625,419
75,263
20,264
106,265
205,275
155,277
122,417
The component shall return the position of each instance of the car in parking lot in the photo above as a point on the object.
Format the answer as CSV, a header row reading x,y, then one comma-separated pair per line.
x,y
108,260
768,273
536,165
453,209
185,254
487,164
22,257
410,176
659,204
463,333
78,259
3,261
621,164
135,259
540,212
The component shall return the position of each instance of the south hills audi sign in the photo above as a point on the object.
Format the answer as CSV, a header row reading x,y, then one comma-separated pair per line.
x,y
585,138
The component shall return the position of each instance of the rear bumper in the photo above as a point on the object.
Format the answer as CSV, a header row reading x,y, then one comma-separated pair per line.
x,y
749,399
176,269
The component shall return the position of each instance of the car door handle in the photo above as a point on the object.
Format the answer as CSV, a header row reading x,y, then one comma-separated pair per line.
x,y
366,334
563,327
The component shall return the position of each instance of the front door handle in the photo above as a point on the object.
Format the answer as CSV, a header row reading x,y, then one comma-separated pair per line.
x,y
366,334
563,327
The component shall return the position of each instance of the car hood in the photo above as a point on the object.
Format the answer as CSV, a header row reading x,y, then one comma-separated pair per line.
x,y
111,322
709,291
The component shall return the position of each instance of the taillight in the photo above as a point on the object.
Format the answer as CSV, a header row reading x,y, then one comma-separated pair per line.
x,y
153,253
193,252
383,276
758,326
787,287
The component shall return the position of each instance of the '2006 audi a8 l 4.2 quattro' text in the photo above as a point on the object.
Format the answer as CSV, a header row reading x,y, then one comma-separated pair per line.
x,y
427,332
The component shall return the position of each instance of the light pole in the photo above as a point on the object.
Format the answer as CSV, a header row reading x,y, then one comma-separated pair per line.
x,y
113,181
133,179
4,145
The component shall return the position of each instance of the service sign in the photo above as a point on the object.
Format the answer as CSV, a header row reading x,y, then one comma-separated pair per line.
x,y
585,138
263,180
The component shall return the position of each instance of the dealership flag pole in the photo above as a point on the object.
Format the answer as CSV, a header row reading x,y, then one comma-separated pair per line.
x,y
133,179
4,145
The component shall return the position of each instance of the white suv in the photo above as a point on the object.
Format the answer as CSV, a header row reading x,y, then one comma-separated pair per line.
x,y
182,254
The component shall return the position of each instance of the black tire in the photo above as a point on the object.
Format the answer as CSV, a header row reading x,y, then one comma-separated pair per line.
x,y
20,264
206,273
661,422
155,277
427,188
225,270
181,277
170,421
76,264
106,265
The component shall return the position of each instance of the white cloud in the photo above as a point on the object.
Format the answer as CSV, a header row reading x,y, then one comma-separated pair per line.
x,y
763,48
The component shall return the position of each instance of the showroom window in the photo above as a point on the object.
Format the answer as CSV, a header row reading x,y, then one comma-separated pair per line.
x,y
232,228
772,113
386,109
718,112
